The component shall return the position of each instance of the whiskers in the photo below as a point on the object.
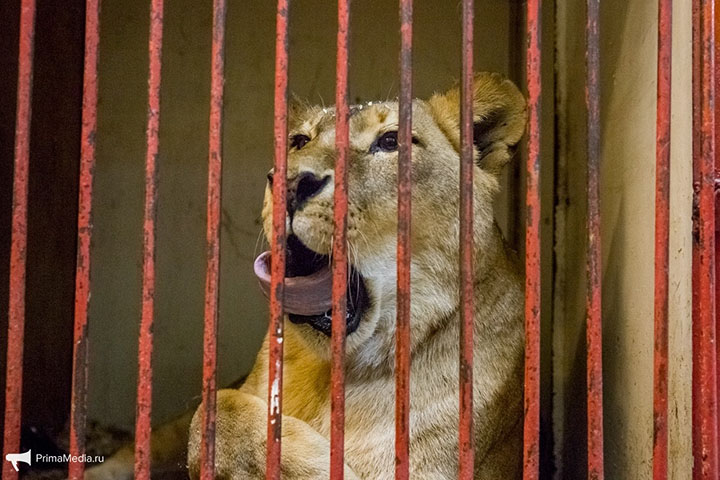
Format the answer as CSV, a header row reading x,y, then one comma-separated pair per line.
x,y
352,273
260,243
389,92
364,238
317,255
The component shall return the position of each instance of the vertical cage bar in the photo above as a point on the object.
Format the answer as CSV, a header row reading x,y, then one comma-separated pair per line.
x,y
78,399
662,239
145,339
212,279
705,442
466,438
531,451
404,252
339,257
277,245
594,256
717,215
18,242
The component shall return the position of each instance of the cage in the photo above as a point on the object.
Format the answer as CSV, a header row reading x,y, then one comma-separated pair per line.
x,y
621,370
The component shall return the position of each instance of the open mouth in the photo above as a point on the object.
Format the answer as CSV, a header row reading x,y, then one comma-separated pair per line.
x,y
308,288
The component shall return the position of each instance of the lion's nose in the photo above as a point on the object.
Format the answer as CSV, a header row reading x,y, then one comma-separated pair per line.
x,y
302,188
308,185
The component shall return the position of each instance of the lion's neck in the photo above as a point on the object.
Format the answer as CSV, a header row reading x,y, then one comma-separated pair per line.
x,y
435,310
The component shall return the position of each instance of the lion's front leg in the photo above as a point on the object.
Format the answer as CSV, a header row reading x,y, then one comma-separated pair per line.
x,y
241,439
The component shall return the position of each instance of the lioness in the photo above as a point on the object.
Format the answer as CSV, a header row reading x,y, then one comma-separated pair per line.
x,y
500,117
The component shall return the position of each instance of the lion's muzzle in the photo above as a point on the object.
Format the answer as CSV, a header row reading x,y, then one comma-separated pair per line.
x,y
307,295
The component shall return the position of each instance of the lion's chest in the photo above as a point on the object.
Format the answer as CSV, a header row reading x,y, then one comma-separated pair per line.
x,y
370,427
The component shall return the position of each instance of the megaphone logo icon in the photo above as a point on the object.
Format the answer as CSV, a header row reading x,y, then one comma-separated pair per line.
x,y
14,458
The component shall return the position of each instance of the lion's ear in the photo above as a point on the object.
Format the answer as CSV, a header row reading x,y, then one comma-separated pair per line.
x,y
499,114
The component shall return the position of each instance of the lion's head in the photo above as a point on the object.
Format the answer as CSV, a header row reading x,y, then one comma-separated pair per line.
x,y
500,117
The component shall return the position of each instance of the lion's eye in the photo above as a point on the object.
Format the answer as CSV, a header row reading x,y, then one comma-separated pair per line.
x,y
299,141
388,142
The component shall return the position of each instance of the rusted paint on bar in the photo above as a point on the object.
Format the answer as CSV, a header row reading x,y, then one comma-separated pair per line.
x,y
404,251
531,449
705,429
212,279
594,256
18,242
277,246
145,338
466,438
339,247
717,214
662,239
78,399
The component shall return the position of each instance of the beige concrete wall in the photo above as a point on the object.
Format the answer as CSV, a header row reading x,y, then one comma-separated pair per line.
x,y
628,86
248,156
680,421
628,76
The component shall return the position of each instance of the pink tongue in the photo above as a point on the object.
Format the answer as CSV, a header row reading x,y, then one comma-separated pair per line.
x,y
309,295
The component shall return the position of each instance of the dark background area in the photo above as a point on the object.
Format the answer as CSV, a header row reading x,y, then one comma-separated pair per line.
x,y
52,207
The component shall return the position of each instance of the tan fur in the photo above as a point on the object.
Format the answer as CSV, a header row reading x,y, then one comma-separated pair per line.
x,y
369,423
369,431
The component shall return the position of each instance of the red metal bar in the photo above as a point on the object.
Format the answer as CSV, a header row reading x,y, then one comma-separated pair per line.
x,y
717,209
339,257
145,339
662,239
531,450
277,246
18,242
78,399
212,279
594,256
705,415
466,438
404,252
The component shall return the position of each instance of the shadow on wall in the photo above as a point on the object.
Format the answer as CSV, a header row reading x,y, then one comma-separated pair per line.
x,y
52,202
